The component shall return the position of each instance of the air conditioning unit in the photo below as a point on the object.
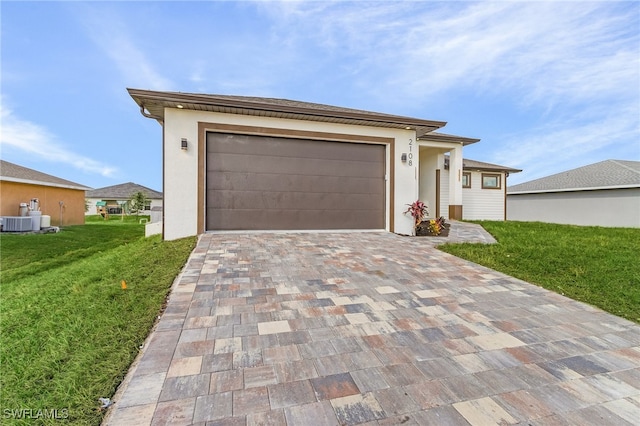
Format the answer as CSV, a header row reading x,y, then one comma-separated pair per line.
x,y
16,224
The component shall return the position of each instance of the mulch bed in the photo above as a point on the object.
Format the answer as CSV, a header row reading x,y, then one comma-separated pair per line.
x,y
422,230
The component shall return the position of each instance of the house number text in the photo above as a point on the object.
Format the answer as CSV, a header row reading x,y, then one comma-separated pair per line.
x,y
410,156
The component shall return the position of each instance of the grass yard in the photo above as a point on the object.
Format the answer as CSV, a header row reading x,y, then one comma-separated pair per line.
x,y
69,331
599,266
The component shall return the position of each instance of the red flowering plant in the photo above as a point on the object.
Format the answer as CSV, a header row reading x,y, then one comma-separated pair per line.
x,y
418,211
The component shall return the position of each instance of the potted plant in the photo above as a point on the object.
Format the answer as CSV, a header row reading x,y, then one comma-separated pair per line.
x,y
434,228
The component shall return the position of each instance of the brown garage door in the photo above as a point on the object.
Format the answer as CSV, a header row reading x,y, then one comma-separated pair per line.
x,y
257,182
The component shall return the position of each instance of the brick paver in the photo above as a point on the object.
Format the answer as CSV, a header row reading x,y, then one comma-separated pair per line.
x,y
373,328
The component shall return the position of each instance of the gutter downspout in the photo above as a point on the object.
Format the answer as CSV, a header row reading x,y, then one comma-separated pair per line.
x,y
506,175
148,115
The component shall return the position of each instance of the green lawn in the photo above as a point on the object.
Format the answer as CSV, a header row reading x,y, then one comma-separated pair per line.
x,y
596,265
69,331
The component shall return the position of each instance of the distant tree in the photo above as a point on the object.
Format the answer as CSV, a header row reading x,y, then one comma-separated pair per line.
x,y
138,202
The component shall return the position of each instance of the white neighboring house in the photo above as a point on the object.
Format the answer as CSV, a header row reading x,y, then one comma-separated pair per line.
x,y
115,196
600,194
484,190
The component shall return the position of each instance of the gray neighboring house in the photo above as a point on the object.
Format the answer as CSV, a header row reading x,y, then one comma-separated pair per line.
x,y
600,194
115,196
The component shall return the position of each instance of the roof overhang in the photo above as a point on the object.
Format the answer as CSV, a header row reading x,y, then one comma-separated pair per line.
x,y
153,104
480,166
469,165
115,197
42,183
547,191
489,169
442,137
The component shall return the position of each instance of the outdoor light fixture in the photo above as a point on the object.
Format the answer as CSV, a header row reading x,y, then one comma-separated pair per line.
x,y
183,144
180,106
403,157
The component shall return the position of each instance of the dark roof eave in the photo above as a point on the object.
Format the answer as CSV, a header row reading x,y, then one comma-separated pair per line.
x,y
11,172
486,169
190,101
480,166
492,169
76,187
441,137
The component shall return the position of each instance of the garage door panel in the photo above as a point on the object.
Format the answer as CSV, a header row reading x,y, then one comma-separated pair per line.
x,y
265,182
292,220
264,200
258,182
289,165
290,148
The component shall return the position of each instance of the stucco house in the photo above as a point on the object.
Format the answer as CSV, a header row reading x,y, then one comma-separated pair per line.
x,y
241,163
58,198
115,197
606,193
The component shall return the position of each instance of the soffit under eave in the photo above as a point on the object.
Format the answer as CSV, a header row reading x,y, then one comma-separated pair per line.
x,y
156,109
484,169
455,139
487,169
479,168
45,183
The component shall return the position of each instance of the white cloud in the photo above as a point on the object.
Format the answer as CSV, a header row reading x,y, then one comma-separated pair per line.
x,y
35,140
554,147
549,52
109,32
133,64
572,69
197,72
543,54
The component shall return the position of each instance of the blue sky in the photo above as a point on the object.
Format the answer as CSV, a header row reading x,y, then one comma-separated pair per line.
x,y
547,86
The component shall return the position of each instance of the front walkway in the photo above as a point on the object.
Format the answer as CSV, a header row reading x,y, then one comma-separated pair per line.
x,y
376,329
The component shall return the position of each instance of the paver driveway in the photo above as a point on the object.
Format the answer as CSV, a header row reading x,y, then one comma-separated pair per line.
x,y
373,328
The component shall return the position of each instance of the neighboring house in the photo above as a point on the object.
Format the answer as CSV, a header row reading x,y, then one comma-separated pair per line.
x,y
484,189
58,198
114,198
240,163
601,194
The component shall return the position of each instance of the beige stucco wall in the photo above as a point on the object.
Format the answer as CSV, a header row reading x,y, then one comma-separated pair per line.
x,y
181,167
612,208
14,193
